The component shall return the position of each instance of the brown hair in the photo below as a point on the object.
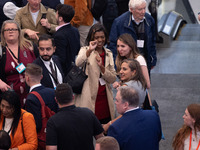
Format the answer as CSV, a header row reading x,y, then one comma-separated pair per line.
x,y
23,42
138,76
34,71
184,131
108,143
130,95
64,93
128,40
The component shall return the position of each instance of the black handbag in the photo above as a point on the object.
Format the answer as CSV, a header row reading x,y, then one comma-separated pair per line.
x,y
150,104
76,78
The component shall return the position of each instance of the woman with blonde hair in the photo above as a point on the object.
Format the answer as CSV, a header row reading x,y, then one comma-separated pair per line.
x,y
16,53
188,136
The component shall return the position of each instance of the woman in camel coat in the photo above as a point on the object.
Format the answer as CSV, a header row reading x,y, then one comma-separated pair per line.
x,y
97,93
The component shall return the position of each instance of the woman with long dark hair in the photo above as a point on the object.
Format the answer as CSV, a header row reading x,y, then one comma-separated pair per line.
x,y
19,124
131,75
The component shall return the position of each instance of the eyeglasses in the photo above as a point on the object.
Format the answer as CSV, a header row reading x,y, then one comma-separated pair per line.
x,y
12,29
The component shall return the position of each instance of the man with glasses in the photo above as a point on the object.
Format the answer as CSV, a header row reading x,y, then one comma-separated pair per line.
x,y
52,70
141,26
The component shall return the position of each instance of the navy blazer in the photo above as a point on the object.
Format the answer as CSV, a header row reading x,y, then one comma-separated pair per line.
x,y
46,80
67,41
137,130
33,104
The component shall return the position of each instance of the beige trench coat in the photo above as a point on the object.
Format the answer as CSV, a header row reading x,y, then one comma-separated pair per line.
x,y
24,19
90,88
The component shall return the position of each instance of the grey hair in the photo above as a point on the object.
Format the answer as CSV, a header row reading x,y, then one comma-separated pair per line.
x,y
134,3
129,95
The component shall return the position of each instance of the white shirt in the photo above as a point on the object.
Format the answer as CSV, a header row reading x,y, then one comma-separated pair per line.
x,y
194,142
132,109
8,123
34,16
141,60
34,86
59,76
137,22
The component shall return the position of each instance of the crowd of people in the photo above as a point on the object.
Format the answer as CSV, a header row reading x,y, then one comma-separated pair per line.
x,y
38,48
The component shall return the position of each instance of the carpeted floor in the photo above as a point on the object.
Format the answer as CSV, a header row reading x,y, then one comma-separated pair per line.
x,y
173,92
175,81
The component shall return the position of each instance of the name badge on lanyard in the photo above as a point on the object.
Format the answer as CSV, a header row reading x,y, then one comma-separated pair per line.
x,y
20,68
140,43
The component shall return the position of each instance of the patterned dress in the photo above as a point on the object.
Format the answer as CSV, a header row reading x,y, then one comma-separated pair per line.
x,y
15,79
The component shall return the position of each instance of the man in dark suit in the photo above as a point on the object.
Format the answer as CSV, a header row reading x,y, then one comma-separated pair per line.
x,y
33,76
136,129
67,38
52,70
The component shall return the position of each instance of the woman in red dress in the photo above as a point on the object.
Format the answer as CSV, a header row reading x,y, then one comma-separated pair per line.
x,y
17,52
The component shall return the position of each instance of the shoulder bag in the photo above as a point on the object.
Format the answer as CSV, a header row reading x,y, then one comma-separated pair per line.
x,y
76,78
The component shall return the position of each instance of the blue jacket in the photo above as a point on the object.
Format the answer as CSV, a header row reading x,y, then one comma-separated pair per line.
x,y
123,24
137,130
33,104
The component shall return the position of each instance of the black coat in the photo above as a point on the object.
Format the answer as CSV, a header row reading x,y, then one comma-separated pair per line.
x,y
67,41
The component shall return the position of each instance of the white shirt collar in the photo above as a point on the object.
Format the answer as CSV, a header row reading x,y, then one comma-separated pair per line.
x,y
46,62
34,86
137,22
132,109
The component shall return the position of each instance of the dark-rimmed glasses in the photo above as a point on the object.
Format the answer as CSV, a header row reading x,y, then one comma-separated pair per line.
x,y
12,29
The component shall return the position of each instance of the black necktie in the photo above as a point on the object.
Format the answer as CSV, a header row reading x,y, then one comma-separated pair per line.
x,y
53,72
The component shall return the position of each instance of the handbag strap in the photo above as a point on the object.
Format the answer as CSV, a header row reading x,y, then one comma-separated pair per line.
x,y
149,97
84,67
41,102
